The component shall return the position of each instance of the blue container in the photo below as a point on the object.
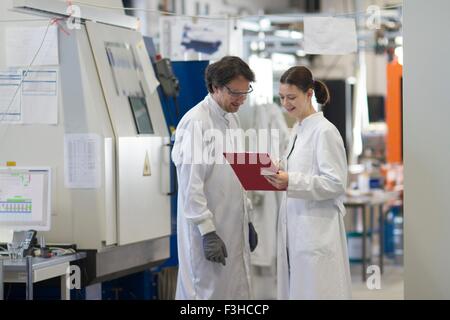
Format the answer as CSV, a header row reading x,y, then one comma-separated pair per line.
x,y
375,183
393,232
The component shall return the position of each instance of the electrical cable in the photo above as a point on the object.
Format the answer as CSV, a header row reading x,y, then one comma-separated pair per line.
x,y
168,13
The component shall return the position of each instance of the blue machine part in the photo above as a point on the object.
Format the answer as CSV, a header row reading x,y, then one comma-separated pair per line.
x,y
191,76
137,286
393,233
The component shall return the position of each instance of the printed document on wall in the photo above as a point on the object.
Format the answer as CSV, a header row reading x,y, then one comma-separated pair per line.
x,y
82,159
40,96
328,35
22,43
10,97
185,39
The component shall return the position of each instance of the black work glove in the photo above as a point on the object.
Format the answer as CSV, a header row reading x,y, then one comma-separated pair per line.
x,y
252,237
214,248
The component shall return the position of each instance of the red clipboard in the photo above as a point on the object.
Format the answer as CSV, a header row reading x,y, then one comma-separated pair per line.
x,y
248,168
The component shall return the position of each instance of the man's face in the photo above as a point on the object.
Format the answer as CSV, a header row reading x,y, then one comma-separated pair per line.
x,y
233,94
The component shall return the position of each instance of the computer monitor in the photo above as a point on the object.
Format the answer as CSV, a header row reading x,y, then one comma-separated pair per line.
x,y
141,116
25,198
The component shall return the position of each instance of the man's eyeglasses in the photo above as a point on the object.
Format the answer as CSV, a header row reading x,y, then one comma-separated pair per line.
x,y
238,93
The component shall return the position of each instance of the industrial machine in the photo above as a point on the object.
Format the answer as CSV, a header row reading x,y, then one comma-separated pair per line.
x,y
182,87
109,151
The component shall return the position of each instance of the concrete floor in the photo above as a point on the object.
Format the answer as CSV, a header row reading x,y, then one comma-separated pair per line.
x,y
264,283
391,283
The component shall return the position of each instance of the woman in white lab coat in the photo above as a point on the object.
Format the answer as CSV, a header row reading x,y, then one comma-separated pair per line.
x,y
312,249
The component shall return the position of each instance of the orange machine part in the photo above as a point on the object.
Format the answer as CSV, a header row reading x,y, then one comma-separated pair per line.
x,y
394,138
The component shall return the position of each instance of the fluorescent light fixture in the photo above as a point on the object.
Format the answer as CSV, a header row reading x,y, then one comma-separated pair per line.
x,y
250,26
265,23
300,53
282,33
261,45
289,34
351,80
282,61
296,35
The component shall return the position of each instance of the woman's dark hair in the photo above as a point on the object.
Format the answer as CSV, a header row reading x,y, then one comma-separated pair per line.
x,y
219,73
302,78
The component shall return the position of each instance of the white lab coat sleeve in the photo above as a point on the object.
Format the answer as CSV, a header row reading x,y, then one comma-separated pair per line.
x,y
331,180
191,177
195,203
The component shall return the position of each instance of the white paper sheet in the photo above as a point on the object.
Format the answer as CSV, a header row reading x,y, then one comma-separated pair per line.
x,y
10,97
40,96
82,160
22,43
328,35
184,39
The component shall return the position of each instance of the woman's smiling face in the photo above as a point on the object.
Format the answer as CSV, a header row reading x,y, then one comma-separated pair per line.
x,y
294,100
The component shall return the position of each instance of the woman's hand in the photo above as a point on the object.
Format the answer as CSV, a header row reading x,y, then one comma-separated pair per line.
x,y
279,180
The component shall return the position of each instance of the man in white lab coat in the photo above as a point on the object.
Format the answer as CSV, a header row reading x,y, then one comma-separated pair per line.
x,y
215,235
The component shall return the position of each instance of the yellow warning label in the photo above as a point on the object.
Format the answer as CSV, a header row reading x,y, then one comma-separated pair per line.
x,y
147,170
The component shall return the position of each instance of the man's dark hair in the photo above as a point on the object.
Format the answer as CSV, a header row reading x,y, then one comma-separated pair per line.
x,y
219,73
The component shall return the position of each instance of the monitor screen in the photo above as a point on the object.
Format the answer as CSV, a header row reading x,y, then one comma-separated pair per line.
x,y
140,115
25,198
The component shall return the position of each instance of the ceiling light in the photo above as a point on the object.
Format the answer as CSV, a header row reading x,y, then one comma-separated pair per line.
x,y
264,23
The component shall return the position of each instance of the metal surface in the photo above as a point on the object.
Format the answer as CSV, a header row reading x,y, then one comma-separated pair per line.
x,y
54,8
30,270
116,259
118,104
1,279
143,203
40,263
29,281
366,204
110,194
